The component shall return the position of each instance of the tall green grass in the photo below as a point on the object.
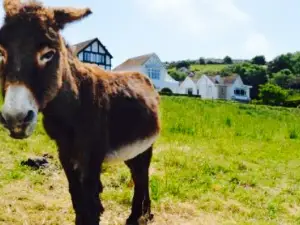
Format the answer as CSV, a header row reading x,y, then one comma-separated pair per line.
x,y
237,163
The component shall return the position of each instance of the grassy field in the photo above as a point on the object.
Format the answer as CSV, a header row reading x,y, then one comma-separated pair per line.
x,y
295,96
209,68
215,163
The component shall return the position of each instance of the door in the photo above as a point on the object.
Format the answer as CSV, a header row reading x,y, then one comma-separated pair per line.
x,y
222,92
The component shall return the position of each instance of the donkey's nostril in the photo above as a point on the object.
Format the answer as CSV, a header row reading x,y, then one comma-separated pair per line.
x,y
29,117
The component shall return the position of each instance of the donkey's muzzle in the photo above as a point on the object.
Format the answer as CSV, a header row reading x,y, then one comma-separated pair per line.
x,y
19,125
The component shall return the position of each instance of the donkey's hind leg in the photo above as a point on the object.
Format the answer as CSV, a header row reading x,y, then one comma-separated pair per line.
x,y
141,203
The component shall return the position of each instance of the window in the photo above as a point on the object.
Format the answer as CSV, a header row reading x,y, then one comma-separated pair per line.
x,y
107,59
99,58
93,57
240,92
154,73
86,56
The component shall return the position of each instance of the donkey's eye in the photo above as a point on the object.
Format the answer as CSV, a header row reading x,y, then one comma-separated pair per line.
x,y
48,55
45,55
2,57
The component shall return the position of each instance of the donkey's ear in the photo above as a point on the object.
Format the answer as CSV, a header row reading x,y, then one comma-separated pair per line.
x,y
62,16
11,7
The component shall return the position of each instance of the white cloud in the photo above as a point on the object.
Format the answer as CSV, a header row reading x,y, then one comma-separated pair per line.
x,y
197,17
220,22
257,43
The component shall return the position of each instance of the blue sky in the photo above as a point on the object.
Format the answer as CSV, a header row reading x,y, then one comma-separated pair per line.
x,y
188,29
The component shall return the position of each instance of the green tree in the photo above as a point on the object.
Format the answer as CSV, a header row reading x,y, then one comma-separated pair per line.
x,y
183,64
259,60
251,74
281,62
227,60
202,61
271,94
179,76
283,78
295,63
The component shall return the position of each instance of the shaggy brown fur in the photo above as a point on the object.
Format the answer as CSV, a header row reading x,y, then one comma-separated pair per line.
x,y
89,112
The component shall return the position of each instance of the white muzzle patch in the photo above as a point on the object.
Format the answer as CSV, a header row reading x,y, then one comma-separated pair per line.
x,y
17,103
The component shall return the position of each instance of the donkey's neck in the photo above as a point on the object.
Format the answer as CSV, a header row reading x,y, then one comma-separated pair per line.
x,y
80,89
65,104
67,100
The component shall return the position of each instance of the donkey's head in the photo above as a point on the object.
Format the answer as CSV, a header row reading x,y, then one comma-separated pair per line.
x,y
32,57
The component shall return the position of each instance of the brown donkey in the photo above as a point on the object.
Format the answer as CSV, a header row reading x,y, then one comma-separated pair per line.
x,y
93,115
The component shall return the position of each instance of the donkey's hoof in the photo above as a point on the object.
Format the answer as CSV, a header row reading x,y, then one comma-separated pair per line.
x,y
144,220
131,222
149,217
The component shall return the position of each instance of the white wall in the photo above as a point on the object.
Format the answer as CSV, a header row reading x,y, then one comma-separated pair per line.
x,y
165,80
187,83
101,50
95,47
207,88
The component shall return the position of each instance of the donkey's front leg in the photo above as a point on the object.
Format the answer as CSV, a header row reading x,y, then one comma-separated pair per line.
x,y
91,188
84,188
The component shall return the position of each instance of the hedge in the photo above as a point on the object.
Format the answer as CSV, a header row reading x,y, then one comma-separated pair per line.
x,y
175,94
292,103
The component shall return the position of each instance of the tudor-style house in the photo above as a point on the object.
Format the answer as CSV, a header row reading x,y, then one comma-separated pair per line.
x,y
154,68
93,51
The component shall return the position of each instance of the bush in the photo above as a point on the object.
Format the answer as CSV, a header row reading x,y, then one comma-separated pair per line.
x,y
292,103
271,94
175,94
179,76
166,90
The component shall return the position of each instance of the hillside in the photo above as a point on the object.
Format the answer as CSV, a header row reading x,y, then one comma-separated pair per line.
x,y
208,68
215,163
198,70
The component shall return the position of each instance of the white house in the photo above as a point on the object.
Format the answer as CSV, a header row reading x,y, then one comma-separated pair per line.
x,y
188,86
93,51
154,68
216,87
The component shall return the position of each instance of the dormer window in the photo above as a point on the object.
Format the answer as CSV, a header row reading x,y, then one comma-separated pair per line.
x,y
154,73
240,92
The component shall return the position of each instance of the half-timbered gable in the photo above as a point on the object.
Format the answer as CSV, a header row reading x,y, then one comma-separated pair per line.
x,y
93,51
